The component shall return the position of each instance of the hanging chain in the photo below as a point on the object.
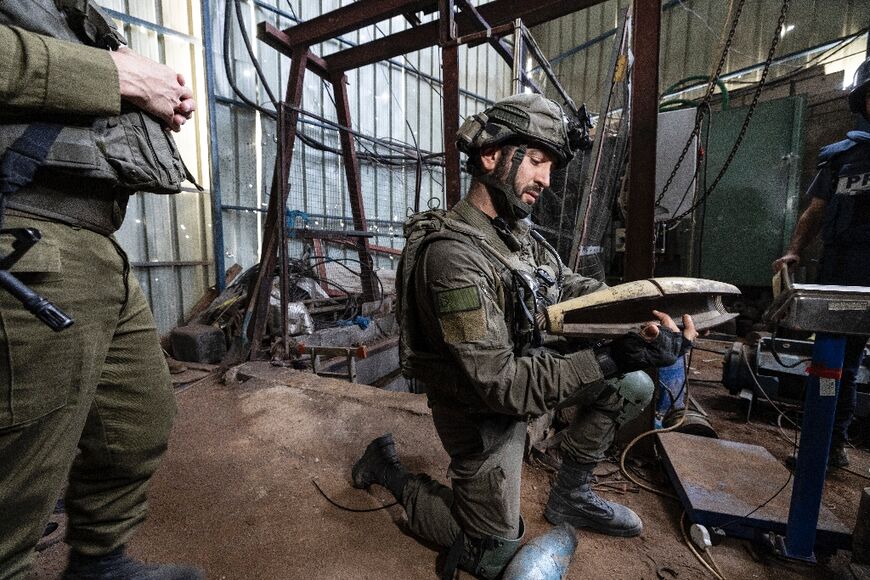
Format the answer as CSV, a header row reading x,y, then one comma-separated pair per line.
x,y
776,36
708,95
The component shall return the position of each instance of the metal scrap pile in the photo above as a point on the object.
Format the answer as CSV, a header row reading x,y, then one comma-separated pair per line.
x,y
315,303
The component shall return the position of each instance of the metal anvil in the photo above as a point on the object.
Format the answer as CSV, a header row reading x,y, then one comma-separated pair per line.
x,y
613,311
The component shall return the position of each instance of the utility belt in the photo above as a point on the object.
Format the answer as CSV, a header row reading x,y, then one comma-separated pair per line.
x,y
88,204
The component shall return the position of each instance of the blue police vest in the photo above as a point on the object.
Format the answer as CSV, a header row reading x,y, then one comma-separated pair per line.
x,y
847,215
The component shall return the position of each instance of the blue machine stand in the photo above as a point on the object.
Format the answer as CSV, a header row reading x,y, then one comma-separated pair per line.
x,y
832,312
820,404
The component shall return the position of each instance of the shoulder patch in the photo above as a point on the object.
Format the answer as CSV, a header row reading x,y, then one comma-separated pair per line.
x,y
458,300
828,152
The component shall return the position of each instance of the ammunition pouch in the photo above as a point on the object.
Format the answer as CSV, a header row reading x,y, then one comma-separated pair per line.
x,y
89,20
131,152
519,291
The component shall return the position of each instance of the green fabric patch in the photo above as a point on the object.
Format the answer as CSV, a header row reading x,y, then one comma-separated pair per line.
x,y
469,326
458,300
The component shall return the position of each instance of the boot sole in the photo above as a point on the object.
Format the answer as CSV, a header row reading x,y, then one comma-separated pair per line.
x,y
557,518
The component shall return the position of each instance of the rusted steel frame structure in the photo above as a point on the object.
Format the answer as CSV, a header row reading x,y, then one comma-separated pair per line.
x,y
274,230
450,94
296,41
640,218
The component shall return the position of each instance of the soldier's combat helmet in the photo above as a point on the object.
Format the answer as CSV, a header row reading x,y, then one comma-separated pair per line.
x,y
528,120
857,96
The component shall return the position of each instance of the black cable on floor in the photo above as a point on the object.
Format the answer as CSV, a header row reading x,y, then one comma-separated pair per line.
x,y
350,509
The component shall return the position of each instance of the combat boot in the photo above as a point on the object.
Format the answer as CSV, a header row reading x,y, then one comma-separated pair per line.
x,y
380,464
837,457
116,565
572,500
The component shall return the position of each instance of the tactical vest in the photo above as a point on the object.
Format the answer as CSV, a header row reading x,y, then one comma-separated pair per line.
x,y
94,164
518,294
847,214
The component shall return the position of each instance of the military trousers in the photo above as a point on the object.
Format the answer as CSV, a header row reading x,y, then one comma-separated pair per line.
x,y
90,406
486,457
846,265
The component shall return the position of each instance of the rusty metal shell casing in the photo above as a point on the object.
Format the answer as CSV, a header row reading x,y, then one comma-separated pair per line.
x,y
613,311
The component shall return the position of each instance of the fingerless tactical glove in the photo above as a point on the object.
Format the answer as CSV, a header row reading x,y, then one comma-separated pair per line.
x,y
632,352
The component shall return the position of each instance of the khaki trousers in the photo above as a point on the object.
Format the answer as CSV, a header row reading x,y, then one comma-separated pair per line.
x,y
89,407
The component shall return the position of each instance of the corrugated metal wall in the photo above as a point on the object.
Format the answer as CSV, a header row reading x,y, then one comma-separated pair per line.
x,y
397,101
168,238
580,44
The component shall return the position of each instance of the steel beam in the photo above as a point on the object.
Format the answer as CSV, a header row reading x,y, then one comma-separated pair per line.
x,y
283,192
354,186
349,18
217,216
496,13
450,95
639,222
492,35
258,307
281,42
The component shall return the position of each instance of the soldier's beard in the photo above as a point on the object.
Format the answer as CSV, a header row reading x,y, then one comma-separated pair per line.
x,y
501,190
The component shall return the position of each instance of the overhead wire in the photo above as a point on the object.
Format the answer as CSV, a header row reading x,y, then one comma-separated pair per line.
x,y
759,85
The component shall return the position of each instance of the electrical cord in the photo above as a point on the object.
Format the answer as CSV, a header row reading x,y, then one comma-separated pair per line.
x,y
794,454
350,509
766,396
786,438
695,347
255,61
765,503
622,465
794,425
776,354
710,566
325,259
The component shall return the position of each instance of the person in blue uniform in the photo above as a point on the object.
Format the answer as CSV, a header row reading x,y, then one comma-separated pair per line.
x,y
840,209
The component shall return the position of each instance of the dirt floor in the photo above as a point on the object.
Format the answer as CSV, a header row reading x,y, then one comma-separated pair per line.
x,y
236,494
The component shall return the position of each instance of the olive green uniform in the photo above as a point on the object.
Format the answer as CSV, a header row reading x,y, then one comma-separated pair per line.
x,y
45,74
93,402
482,387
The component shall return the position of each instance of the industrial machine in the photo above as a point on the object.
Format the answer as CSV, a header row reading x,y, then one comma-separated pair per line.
x,y
767,367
